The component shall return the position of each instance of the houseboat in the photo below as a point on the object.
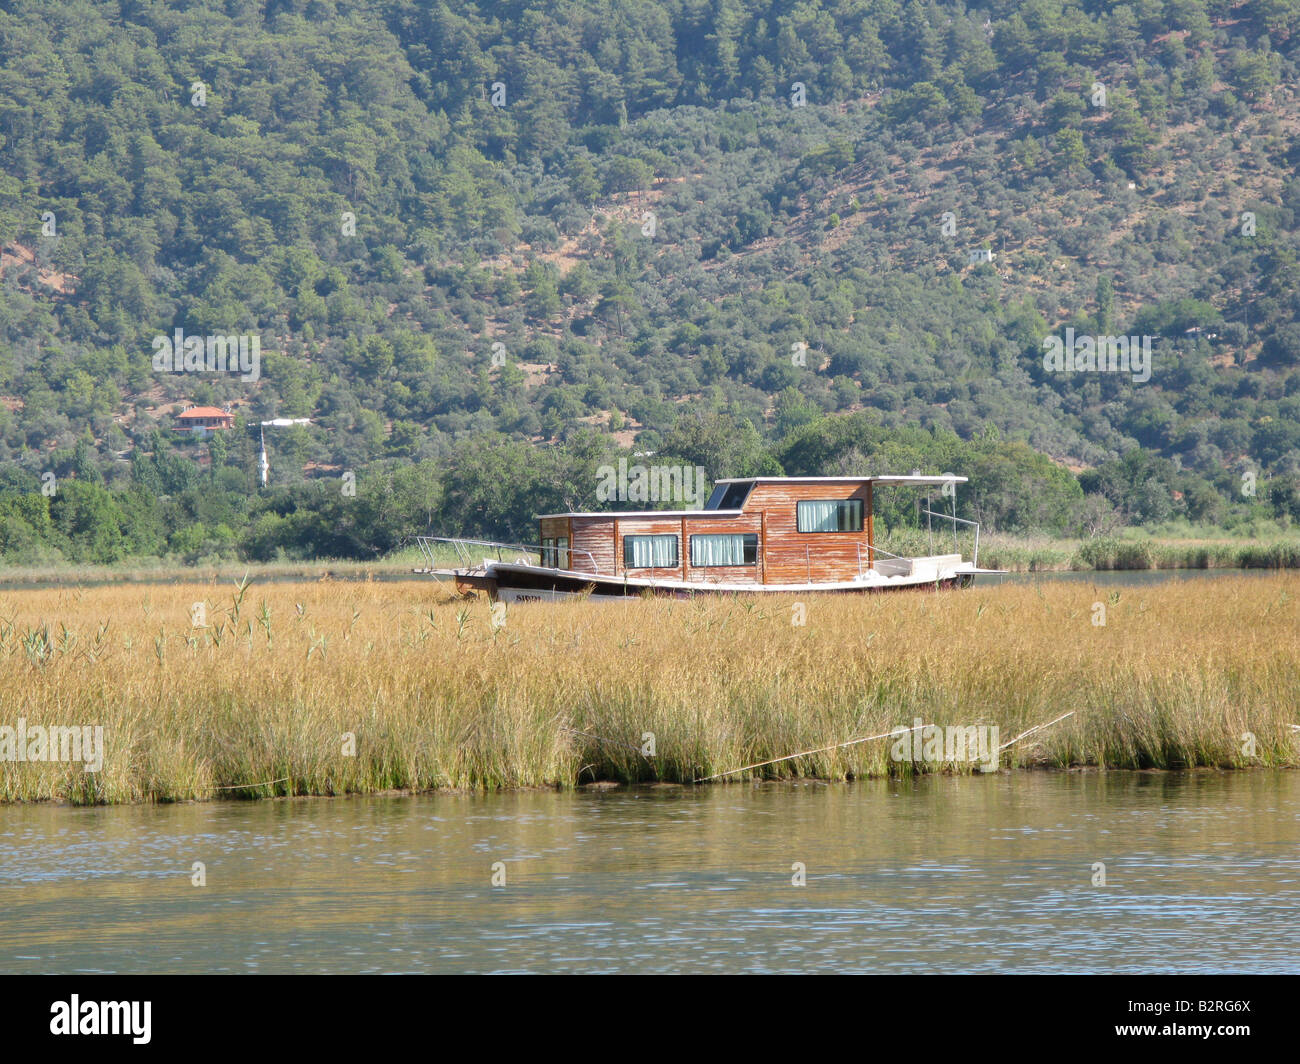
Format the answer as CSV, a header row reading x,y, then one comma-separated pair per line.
x,y
763,535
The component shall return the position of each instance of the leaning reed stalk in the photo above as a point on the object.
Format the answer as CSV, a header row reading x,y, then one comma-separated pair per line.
x,y
343,688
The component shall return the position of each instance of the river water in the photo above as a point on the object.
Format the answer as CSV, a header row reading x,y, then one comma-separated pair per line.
x,y
957,874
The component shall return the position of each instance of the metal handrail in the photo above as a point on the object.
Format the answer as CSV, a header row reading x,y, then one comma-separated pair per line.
x,y
875,549
975,556
466,555
872,548
901,557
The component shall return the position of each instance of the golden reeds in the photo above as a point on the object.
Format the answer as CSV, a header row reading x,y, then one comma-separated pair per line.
x,y
361,687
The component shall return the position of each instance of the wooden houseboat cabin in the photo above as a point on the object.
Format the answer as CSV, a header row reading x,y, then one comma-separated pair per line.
x,y
758,534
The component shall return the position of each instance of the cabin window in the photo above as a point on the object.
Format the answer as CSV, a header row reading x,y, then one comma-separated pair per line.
x,y
738,549
836,515
650,552
730,496
555,552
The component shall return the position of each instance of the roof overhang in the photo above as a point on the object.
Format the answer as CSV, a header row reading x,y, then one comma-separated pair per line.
x,y
646,513
943,478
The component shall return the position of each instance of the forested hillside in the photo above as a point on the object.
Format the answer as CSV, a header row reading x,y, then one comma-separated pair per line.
x,y
488,247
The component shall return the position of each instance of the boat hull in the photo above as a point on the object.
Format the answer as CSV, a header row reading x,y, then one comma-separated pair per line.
x,y
530,583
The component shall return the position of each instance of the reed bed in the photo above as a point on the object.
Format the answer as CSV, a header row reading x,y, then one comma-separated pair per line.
x,y
345,687
1102,555
1022,554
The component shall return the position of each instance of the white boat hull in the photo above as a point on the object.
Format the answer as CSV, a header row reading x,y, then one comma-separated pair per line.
x,y
520,582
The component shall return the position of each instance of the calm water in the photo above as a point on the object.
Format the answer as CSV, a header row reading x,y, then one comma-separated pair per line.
x,y
1122,577
941,875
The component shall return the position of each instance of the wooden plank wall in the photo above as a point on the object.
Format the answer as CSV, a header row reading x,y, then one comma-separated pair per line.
x,y
834,555
715,574
649,526
594,534
604,536
555,528
786,555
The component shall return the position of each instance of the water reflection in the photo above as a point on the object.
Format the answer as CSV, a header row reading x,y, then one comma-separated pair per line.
x,y
970,874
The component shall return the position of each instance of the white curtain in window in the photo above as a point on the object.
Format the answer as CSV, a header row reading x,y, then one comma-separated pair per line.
x,y
819,517
718,550
653,551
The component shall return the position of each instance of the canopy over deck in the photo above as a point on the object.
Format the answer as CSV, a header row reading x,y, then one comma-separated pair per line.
x,y
909,478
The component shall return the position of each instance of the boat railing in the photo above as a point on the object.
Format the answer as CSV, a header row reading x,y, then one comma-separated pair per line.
x,y
975,555
470,552
873,549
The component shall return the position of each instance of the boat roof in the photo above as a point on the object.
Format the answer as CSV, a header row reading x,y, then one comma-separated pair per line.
x,y
645,513
901,479
911,478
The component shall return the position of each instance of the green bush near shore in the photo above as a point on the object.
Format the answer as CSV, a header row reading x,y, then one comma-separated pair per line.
x,y
1110,554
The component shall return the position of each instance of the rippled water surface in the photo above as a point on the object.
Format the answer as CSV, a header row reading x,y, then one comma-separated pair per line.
x,y
942,875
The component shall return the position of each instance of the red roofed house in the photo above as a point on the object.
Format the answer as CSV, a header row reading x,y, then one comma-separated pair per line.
x,y
203,421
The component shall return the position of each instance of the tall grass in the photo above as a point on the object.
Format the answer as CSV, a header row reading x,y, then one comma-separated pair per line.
x,y
159,570
267,698
1031,554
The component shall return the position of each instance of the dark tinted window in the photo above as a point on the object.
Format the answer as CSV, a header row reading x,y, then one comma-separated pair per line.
x,y
730,496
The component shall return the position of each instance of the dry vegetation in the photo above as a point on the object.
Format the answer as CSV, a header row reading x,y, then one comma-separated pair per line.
x,y
562,694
